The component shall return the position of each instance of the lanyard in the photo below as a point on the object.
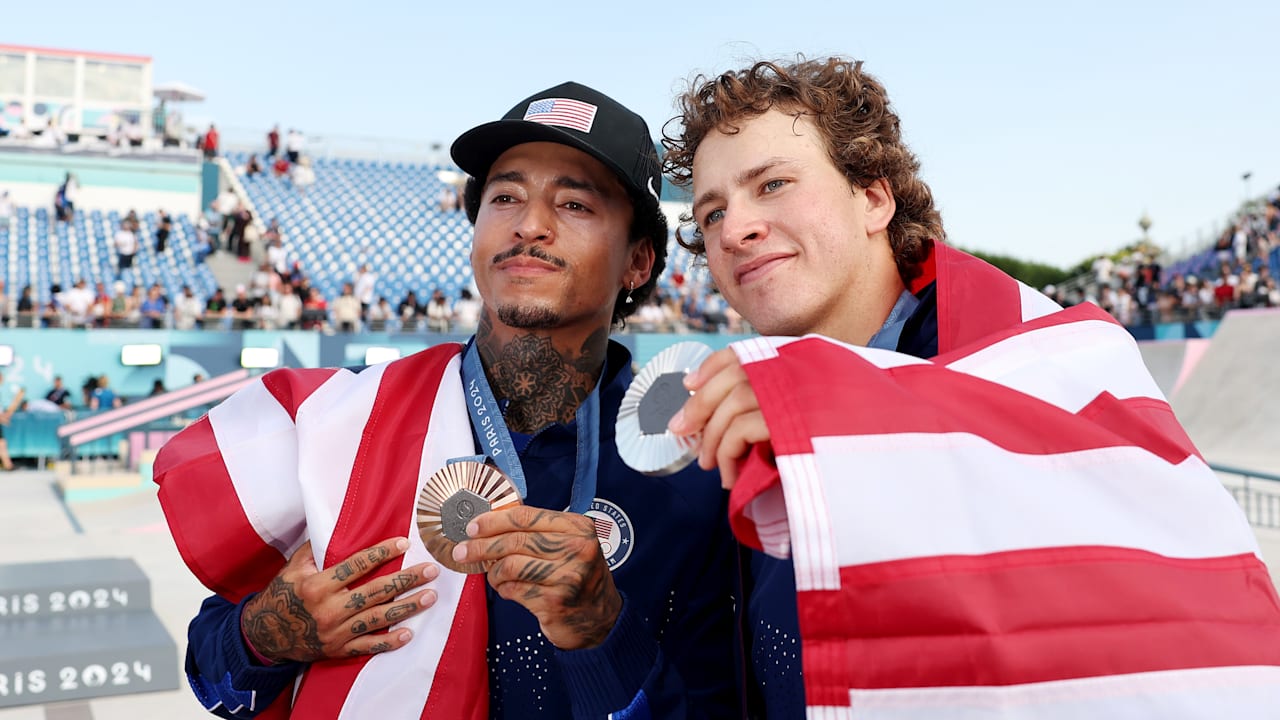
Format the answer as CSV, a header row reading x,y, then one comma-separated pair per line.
x,y
495,440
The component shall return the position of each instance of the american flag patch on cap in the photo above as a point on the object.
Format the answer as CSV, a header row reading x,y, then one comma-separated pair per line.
x,y
573,114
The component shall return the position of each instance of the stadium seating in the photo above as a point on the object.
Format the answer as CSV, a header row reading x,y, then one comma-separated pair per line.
x,y
40,252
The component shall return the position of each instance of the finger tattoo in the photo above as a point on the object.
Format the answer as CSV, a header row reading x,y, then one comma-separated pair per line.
x,y
356,602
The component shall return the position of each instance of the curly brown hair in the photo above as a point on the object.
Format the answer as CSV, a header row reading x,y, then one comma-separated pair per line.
x,y
851,110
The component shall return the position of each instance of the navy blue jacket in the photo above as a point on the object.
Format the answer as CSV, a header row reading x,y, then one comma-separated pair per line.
x,y
771,626
673,652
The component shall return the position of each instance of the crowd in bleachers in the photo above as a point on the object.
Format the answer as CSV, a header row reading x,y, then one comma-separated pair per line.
x,y
384,246
1239,270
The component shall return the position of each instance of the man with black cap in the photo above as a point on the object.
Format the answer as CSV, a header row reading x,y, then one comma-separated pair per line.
x,y
606,593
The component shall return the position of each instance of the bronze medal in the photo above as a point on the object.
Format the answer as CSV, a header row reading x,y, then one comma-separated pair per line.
x,y
451,497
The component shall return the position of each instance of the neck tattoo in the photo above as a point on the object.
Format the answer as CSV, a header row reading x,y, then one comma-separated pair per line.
x,y
540,384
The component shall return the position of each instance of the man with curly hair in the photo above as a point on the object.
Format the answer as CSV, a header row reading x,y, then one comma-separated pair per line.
x,y
965,500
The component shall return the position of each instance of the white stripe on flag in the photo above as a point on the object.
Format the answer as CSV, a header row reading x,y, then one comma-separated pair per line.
x,y
1202,693
330,426
768,511
900,496
263,467
813,540
1048,363
1035,304
398,683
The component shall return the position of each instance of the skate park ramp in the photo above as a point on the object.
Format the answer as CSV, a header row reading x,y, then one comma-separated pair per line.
x,y
1172,361
1228,402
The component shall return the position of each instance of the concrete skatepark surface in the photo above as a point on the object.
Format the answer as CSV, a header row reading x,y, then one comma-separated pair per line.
x,y
1224,394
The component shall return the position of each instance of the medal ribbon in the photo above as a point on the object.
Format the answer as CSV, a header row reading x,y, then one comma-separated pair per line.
x,y
495,440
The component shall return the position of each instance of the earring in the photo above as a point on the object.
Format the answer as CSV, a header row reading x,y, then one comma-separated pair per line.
x,y
629,299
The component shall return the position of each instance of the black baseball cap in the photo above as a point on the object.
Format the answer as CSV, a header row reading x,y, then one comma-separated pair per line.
x,y
575,115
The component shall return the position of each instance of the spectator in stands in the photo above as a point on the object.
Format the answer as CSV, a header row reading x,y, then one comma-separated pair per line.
x,y
294,143
26,308
273,142
210,144
153,309
439,312
263,281
64,202
164,226
466,312
126,241
366,286
7,307
315,310
409,311
224,206
215,310
239,224
133,307
187,309
302,176
1224,288
76,302
117,304
10,401
6,209
104,398
381,315
206,245
252,167
157,388
346,310
53,314
268,314
59,395
280,167
289,307
242,307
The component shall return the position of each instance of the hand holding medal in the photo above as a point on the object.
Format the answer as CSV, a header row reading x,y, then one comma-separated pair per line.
x,y
451,498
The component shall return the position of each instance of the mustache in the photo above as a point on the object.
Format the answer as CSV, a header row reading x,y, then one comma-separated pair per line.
x,y
532,251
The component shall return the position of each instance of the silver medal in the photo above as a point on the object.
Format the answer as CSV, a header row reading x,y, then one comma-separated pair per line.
x,y
656,394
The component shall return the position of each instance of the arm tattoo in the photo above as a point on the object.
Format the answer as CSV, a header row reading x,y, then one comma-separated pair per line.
x,y
279,626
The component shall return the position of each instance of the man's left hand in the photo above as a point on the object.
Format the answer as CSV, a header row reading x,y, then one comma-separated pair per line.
x,y
551,563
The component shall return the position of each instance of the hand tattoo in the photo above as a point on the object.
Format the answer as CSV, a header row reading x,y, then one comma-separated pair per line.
x,y
345,571
278,625
356,602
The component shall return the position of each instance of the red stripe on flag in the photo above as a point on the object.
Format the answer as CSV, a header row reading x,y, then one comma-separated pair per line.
x,y
379,504
291,387
1034,616
869,400
992,300
461,686
216,544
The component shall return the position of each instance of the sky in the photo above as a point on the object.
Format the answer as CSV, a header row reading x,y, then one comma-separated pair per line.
x,y
1046,130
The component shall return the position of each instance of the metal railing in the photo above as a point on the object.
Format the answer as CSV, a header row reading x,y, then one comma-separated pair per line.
x,y
1261,506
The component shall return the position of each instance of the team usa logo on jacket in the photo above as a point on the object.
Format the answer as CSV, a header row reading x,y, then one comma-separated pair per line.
x,y
614,530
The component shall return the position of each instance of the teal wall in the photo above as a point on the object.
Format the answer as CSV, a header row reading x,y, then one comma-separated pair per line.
x,y
118,173
40,354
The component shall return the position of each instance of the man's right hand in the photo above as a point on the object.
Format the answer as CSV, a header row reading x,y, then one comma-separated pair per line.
x,y
307,614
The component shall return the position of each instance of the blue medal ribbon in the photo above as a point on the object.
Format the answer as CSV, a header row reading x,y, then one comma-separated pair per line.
x,y
495,440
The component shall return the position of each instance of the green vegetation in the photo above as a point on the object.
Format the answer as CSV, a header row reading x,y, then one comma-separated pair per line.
x,y
1035,274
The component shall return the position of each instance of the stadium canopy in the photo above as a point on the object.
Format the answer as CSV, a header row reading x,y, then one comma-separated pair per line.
x,y
177,92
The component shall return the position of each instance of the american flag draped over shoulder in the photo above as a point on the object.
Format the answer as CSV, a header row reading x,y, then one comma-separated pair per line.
x,y
329,455
1019,528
